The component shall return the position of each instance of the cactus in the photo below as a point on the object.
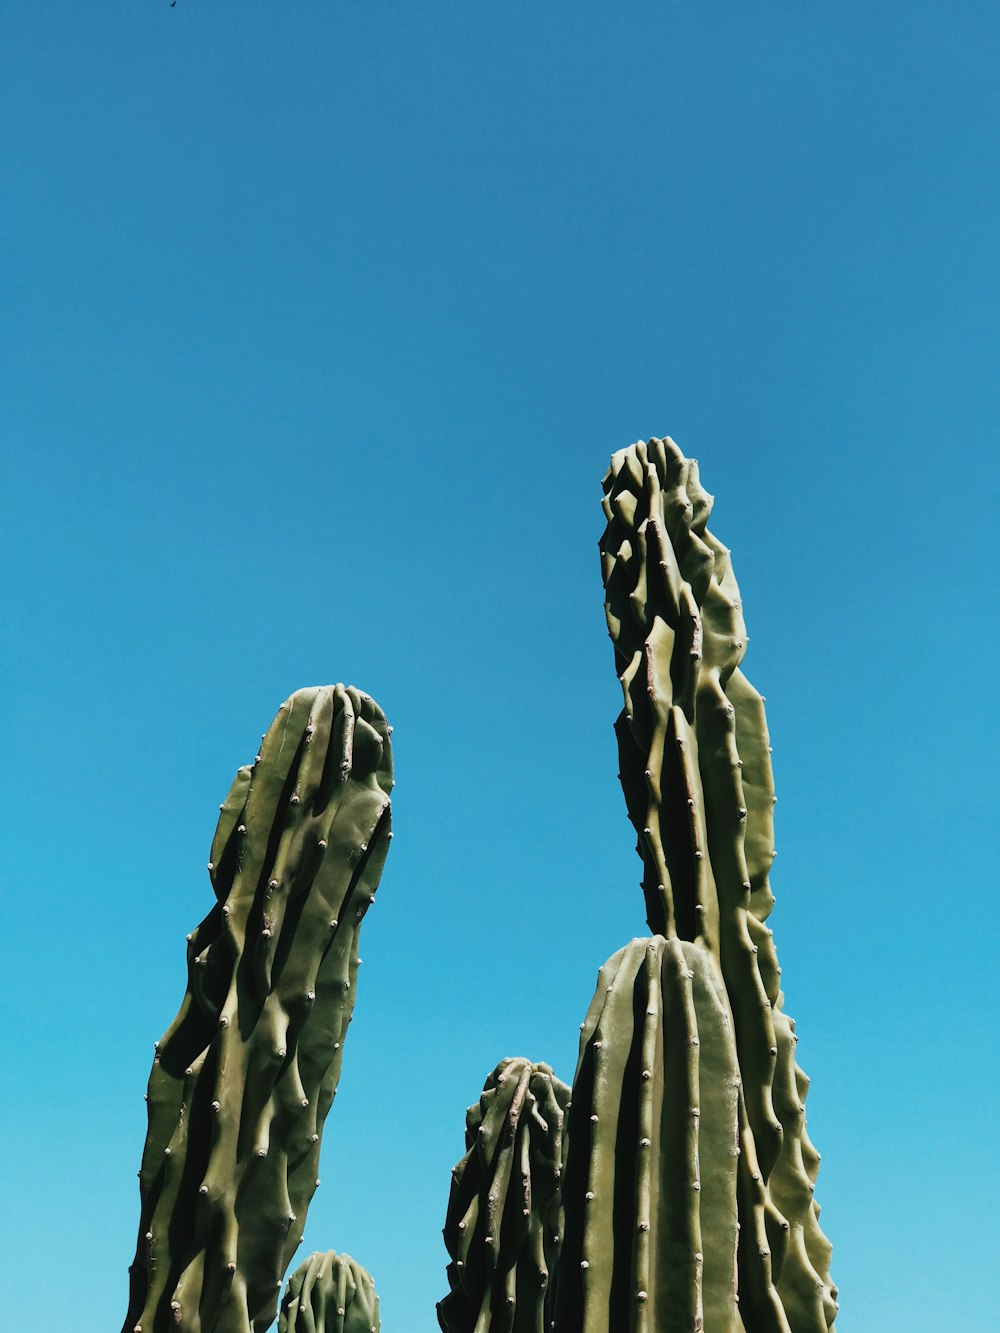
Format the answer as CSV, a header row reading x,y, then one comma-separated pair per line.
x,y
696,772
650,1188
687,1199
244,1077
329,1293
503,1226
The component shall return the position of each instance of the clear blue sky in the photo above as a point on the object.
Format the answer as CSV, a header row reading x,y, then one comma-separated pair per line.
x,y
319,323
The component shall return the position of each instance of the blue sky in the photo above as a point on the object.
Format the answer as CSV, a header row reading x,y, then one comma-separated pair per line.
x,y
319,324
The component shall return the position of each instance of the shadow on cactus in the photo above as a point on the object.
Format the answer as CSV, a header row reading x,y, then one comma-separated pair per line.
x,y
672,1188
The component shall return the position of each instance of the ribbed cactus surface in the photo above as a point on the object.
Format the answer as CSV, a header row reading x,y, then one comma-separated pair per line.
x,y
650,1191
329,1293
244,1077
502,1227
696,770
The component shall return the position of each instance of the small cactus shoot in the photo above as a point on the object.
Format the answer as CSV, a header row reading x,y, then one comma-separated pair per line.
x,y
329,1293
503,1225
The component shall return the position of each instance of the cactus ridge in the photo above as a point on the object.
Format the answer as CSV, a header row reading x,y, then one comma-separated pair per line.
x,y
695,764
650,1192
244,1077
329,1293
503,1222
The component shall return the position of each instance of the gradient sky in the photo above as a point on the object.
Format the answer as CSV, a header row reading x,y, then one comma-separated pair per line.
x,y
319,324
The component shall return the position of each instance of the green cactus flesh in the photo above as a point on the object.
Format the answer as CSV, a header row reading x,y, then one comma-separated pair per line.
x,y
329,1293
696,771
503,1221
244,1077
650,1192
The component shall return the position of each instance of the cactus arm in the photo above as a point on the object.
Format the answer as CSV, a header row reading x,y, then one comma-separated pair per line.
x,y
244,1077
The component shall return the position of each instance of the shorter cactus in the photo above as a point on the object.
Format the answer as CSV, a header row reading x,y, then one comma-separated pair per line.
x,y
503,1222
650,1188
329,1293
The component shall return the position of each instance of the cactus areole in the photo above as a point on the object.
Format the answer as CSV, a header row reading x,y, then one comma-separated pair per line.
x,y
670,1189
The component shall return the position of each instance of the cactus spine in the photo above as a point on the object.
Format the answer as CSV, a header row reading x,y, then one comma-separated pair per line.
x,y
329,1293
696,772
244,1077
503,1227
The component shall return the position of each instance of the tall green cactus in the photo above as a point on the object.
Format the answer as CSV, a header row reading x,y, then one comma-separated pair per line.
x,y
244,1077
329,1293
503,1227
696,771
